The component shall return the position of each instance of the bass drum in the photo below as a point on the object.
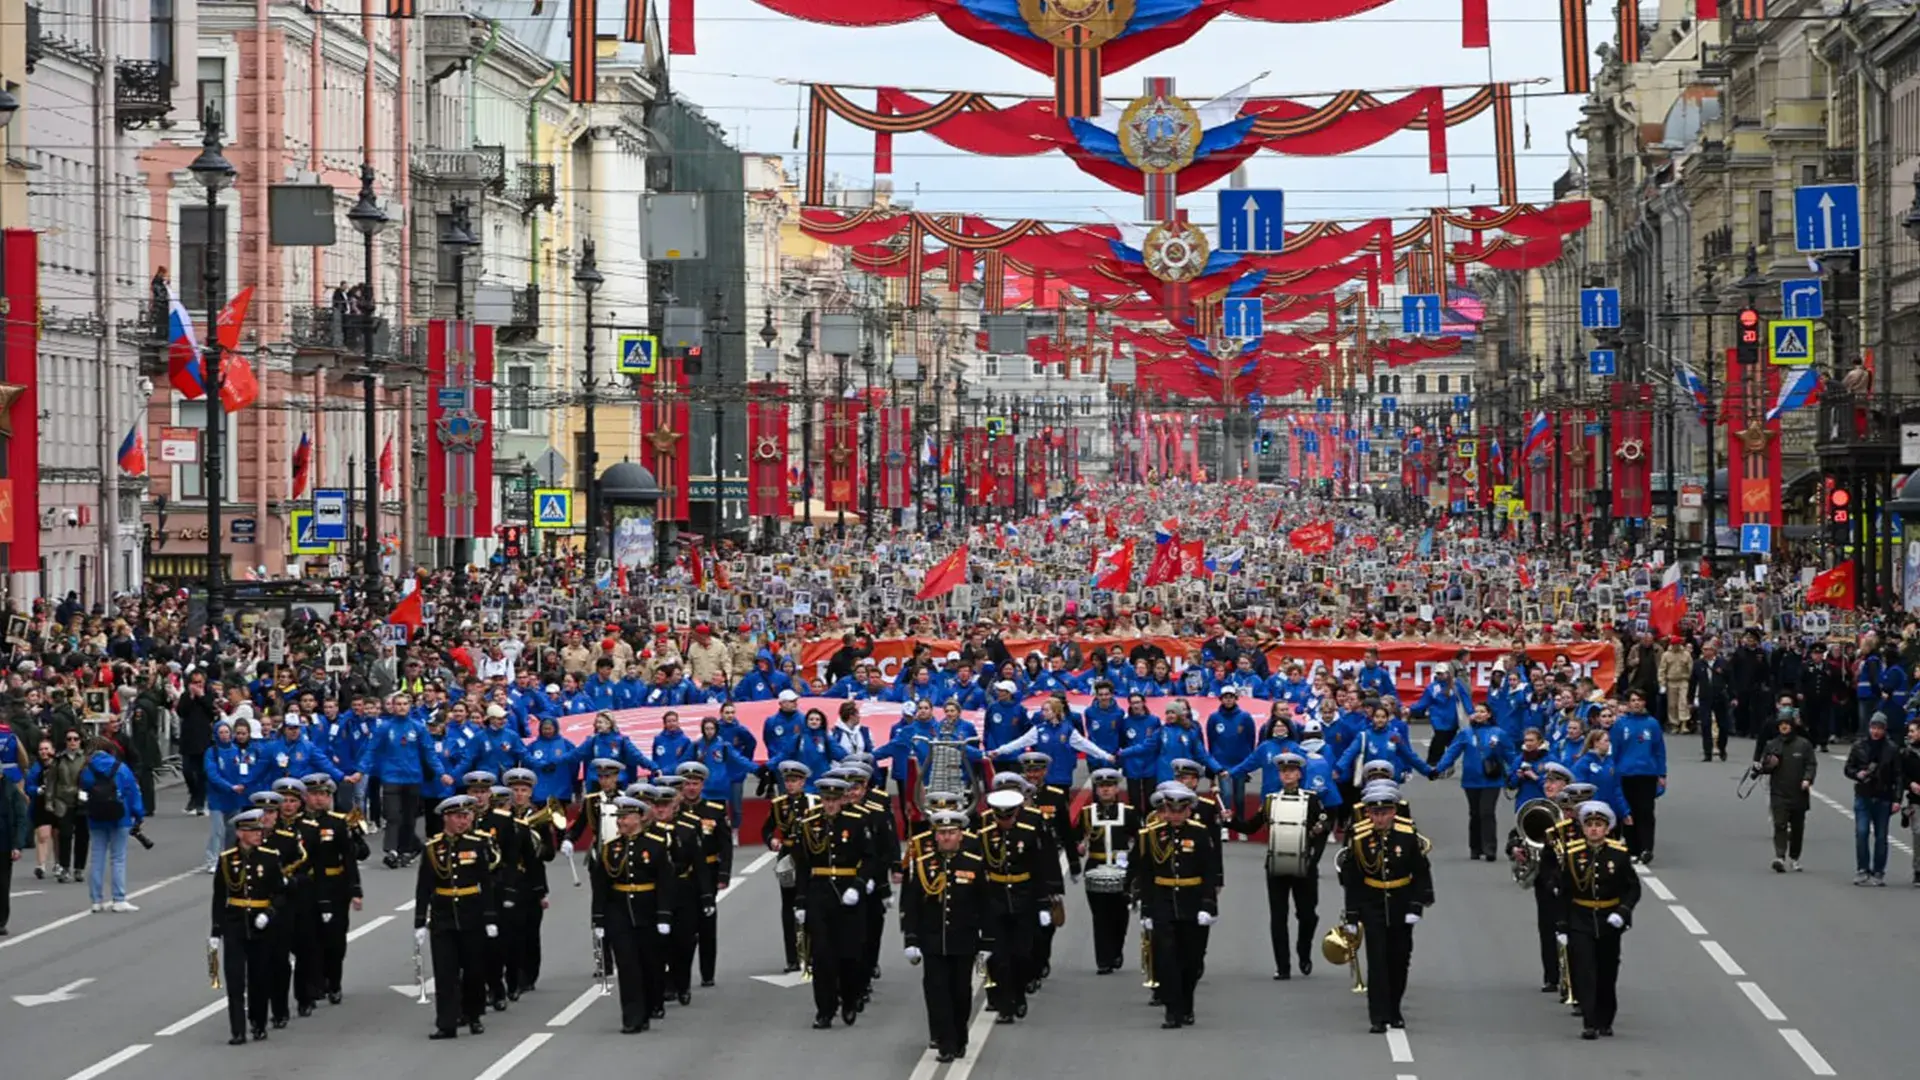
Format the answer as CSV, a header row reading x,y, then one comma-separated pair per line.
x,y
1287,841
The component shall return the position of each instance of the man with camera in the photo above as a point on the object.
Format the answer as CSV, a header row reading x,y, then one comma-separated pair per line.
x,y
1789,762
1875,772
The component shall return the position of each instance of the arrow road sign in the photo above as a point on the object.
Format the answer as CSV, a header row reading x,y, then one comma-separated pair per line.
x,y
1388,404
54,997
1420,314
1790,341
1756,539
329,515
1802,298
1600,362
1252,222
1826,217
1599,309
1241,317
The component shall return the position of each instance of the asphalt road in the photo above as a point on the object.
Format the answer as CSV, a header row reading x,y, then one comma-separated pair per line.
x,y
1731,971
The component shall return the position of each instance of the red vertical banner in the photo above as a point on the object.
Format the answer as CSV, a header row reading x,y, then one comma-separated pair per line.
x,y
896,456
767,447
20,490
973,465
1483,469
842,455
1037,467
1073,455
1632,445
1753,445
666,425
460,451
1002,471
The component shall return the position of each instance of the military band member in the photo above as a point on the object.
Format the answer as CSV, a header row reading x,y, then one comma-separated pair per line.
x,y
784,814
248,889
539,842
1599,890
1388,885
456,912
1546,877
877,808
663,803
692,893
491,821
294,932
941,907
1206,808
833,855
335,856
716,851
1014,851
594,820
1054,805
1374,772
1303,891
1104,831
1175,868
627,919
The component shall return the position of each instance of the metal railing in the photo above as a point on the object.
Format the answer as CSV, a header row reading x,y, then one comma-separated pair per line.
x,y
143,92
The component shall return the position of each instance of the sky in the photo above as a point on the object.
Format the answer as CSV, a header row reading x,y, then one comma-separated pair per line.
x,y
745,51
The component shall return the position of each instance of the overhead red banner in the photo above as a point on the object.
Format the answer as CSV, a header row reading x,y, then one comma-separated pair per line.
x,y
841,455
1753,444
459,443
975,478
666,426
1632,446
20,493
896,457
767,447
1037,468
1003,469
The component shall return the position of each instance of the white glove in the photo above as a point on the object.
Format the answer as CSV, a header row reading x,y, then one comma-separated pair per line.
x,y
1351,929
799,916
869,886
1146,923
913,954
326,916
420,936
1412,918
566,848
1614,920
83,795
663,928
986,956
506,903
850,897
1204,919
213,944
492,930
1560,939
886,904
259,922
599,933
1046,918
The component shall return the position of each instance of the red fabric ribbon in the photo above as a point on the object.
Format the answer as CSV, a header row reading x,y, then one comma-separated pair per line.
x,y
680,27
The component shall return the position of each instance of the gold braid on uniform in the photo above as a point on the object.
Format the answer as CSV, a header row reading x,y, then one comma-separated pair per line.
x,y
440,857
935,884
227,868
1584,885
1376,868
1159,844
993,846
816,838
626,856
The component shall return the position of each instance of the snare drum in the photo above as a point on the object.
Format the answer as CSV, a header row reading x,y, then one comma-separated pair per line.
x,y
1287,835
784,872
1106,879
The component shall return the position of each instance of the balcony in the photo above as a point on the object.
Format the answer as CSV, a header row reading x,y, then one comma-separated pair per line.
x,y
322,329
1856,432
143,93
524,324
534,188
36,45
451,41
482,166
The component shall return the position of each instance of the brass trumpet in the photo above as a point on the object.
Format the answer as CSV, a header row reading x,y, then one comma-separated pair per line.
x,y
1337,947
1146,961
1566,980
419,976
213,965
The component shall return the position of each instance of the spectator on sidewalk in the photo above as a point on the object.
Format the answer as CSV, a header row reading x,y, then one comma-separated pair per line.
x,y
111,799
1875,771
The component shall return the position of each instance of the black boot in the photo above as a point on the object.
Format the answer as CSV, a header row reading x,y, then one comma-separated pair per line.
x,y
444,1033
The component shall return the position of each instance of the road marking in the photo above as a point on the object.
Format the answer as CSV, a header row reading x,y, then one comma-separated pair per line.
x,y
1847,811
163,883
29,892
57,995
1687,920
1398,1044
1762,1002
368,927
515,1056
408,906
1725,961
574,1008
977,1034
1657,887
785,981
104,1064
69,920
1816,1064
762,860
202,1013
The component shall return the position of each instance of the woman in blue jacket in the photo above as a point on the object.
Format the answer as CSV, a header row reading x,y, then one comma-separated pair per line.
x,y
555,763
726,765
1484,751
231,770
1277,739
608,742
1596,767
108,833
815,748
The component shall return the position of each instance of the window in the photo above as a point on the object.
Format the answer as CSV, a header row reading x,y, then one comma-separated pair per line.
x,y
190,481
1809,175
6,133
1763,203
1419,384
990,365
200,227
1086,404
210,87
1466,384
1443,384
519,398
1039,367
160,31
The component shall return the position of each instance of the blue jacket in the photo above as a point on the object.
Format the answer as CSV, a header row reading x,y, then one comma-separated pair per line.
x,y
1599,771
1340,734
1055,739
494,751
1005,722
670,749
617,747
556,768
1231,734
1474,748
760,686
1105,725
229,765
341,739
1445,704
738,737
669,695
724,763
1317,777
1134,731
778,733
1291,691
529,707
817,751
1378,679
1639,746
1167,743
1510,707
604,693
899,747
1867,687
1527,789
398,752
445,749
1389,745
102,765
280,759
1262,759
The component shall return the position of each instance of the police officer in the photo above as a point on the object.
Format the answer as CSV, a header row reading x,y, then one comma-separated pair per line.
x,y
455,909
295,931
1599,890
833,855
941,903
626,915
1015,853
716,852
1174,869
1104,831
248,889
1302,892
539,841
784,814
1388,885
339,845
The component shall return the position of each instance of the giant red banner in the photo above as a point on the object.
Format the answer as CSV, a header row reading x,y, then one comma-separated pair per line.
x,y
1632,440
666,425
20,491
1003,471
896,457
1753,444
974,477
767,434
460,446
842,454
1037,468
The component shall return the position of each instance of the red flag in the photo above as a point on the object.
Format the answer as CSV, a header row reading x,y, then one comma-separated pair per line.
x,y
1193,558
226,328
1242,526
1312,539
1113,529
407,611
1165,566
387,478
1833,588
1521,572
945,575
1666,609
302,461
239,387
1117,565
698,564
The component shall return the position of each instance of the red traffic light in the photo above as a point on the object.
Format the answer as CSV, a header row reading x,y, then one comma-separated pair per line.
x,y
1749,317
1839,498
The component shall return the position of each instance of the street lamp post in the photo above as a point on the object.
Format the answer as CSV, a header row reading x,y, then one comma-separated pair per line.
x,y
717,324
458,239
214,173
587,278
804,347
867,430
368,219
959,454
1708,298
768,335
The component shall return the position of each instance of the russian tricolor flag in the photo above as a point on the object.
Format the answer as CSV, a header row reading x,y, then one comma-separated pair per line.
x,y
1696,389
1800,388
1537,437
183,350
133,452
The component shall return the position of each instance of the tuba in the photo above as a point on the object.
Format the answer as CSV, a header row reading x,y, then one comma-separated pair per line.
x,y
1338,948
1535,821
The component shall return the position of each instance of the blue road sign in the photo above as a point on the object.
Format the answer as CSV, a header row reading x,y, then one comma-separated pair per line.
x,y
1462,403
1366,446
1792,341
1756,539
1802,298
1323,405
1388,404
1590,430
553,508
1600,362
1420,314
1252,222
1599,309
1240,317
329,515
1826,217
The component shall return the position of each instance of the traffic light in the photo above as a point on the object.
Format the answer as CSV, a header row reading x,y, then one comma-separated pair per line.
x,y
1838,503
1266,441
510,541
1746,344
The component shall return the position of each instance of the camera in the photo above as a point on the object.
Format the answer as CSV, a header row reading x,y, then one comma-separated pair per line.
x,y
142,837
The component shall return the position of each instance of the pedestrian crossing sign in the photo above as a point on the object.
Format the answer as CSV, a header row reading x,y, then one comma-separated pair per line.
x,y
300,538
996,426
553,508
639,355
1790,341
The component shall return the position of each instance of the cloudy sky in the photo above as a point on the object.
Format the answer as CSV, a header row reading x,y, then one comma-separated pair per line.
x,y
745,51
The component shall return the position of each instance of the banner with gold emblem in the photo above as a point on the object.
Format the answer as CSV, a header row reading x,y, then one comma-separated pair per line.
x,y
666,422
767,450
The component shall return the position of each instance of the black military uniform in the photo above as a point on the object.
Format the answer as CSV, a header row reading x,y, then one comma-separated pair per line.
x,y
833,855
784,814
1054,806
690,898
335,854
1175,871
1107,831
454,900
248,883
1019,869
1301,892
1386,878
626,910
716,852
510,841
877,808
290,933
540,843
1598,887
942,899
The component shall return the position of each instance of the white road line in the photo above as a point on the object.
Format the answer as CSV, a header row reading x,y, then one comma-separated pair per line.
x,y
105,1064
515,1056
1405,1076
760,861
929,1064
368,927
68,920
1725,961
1847,811
200,1014
29,892
574,1008
977,1034
1687,920
1762,1002
1657,887
1398,1044
163,883
408,906
1816,1064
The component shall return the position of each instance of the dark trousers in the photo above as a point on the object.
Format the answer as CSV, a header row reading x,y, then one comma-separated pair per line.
x,y
1746,715
72,840
193,769
681,945
631,946
1789,829
836,946
143,776
1545,918
1040,957
1640,793
399,805
709,945
1708,717
1389,945
1012,940
876,924
1819,717
279,935
527,953
1179,952
947,982
1139,790
789,928
245,967
332,946
1108,914
1483,836
1595,964
459,979
1303,894
1437,746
